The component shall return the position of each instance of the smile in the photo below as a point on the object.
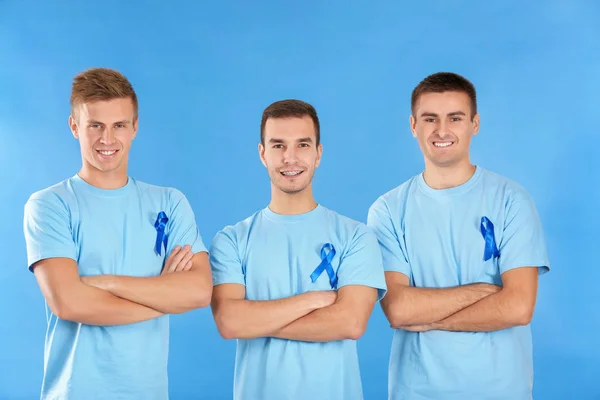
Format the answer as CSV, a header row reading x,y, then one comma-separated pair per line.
x,y
443,144
107,153
291,173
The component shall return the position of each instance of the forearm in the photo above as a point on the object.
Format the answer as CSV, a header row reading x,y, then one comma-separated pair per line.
x,y
419,306
247,319
323,325
92,306
172,293
498,311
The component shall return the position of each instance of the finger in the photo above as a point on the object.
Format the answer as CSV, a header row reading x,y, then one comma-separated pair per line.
x,y
174,259
175,250
185,259
188,261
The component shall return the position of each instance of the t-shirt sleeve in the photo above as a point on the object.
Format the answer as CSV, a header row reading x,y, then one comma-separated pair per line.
x,y
361,264
182,228
523,243
390,239
225,262
47,229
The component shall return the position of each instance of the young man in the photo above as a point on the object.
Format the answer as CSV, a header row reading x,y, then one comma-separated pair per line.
x,y
295,282
97,244
462,249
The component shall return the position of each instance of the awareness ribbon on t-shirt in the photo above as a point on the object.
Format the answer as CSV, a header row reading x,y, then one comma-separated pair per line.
x,y
159,225
327,254
487,230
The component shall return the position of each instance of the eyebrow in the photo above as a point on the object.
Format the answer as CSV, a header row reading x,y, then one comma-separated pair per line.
x,y
301,140
93,121
452,114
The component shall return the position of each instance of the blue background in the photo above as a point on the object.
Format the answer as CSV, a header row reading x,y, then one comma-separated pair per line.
x,y
204,73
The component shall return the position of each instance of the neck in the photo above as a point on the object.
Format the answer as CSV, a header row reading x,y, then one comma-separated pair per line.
x,y
445,177
104,180
292,204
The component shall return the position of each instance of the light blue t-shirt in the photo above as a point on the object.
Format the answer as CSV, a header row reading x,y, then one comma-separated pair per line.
x,y
106,232
434,237
274,255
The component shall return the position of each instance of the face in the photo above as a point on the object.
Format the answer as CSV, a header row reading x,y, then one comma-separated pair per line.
x,y
105,130
290,153
443,126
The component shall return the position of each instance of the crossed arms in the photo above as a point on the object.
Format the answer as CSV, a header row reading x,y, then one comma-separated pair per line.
x,y
184,284
476,307
319,316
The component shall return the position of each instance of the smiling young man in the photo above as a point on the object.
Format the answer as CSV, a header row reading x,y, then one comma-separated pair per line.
x,y
295,282
97,244
462,249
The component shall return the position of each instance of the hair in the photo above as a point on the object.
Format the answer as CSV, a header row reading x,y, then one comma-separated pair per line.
x,y
287,109
445,82
101,84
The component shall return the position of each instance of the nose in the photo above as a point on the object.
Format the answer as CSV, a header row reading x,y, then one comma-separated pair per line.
x,y
108,136
290,156
443,130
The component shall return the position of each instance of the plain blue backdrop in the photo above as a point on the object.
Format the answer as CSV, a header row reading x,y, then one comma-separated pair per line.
x,y
205,71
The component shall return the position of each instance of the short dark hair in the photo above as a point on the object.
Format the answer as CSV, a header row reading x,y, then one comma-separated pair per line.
x,y
444,82
290,108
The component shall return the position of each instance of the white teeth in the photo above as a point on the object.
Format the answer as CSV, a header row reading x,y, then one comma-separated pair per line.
x,y
442,144
107,153
290,173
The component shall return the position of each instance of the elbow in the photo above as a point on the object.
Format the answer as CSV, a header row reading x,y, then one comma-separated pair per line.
x,y
522,315
202,299
63,309
355,329
396,317
226,329
196,298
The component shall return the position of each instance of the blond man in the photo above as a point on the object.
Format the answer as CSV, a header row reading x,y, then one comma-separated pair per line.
x,y
112,256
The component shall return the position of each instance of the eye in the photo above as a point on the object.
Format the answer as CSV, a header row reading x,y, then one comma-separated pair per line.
x,y
278,146
429,119
95,126
304,145
120,126
455,119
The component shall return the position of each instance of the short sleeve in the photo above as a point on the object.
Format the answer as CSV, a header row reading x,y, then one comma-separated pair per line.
x,y
47,229
224,259
390,239
523,243
361,264
182,228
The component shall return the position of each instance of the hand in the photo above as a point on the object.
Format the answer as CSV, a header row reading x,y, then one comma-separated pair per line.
x,y
323,298
179,260
103,282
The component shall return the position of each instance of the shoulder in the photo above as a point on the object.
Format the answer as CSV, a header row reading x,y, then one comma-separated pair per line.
x,y
57,196
505,189
395,199
346,226
237,232
155,191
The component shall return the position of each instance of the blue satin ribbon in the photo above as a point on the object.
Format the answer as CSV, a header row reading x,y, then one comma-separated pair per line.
x,y
327,254
160,225
487,230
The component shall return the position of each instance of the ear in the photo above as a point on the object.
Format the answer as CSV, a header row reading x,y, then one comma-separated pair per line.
x,y
413,125
319,154
135,127
73,126
476,124
261,154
